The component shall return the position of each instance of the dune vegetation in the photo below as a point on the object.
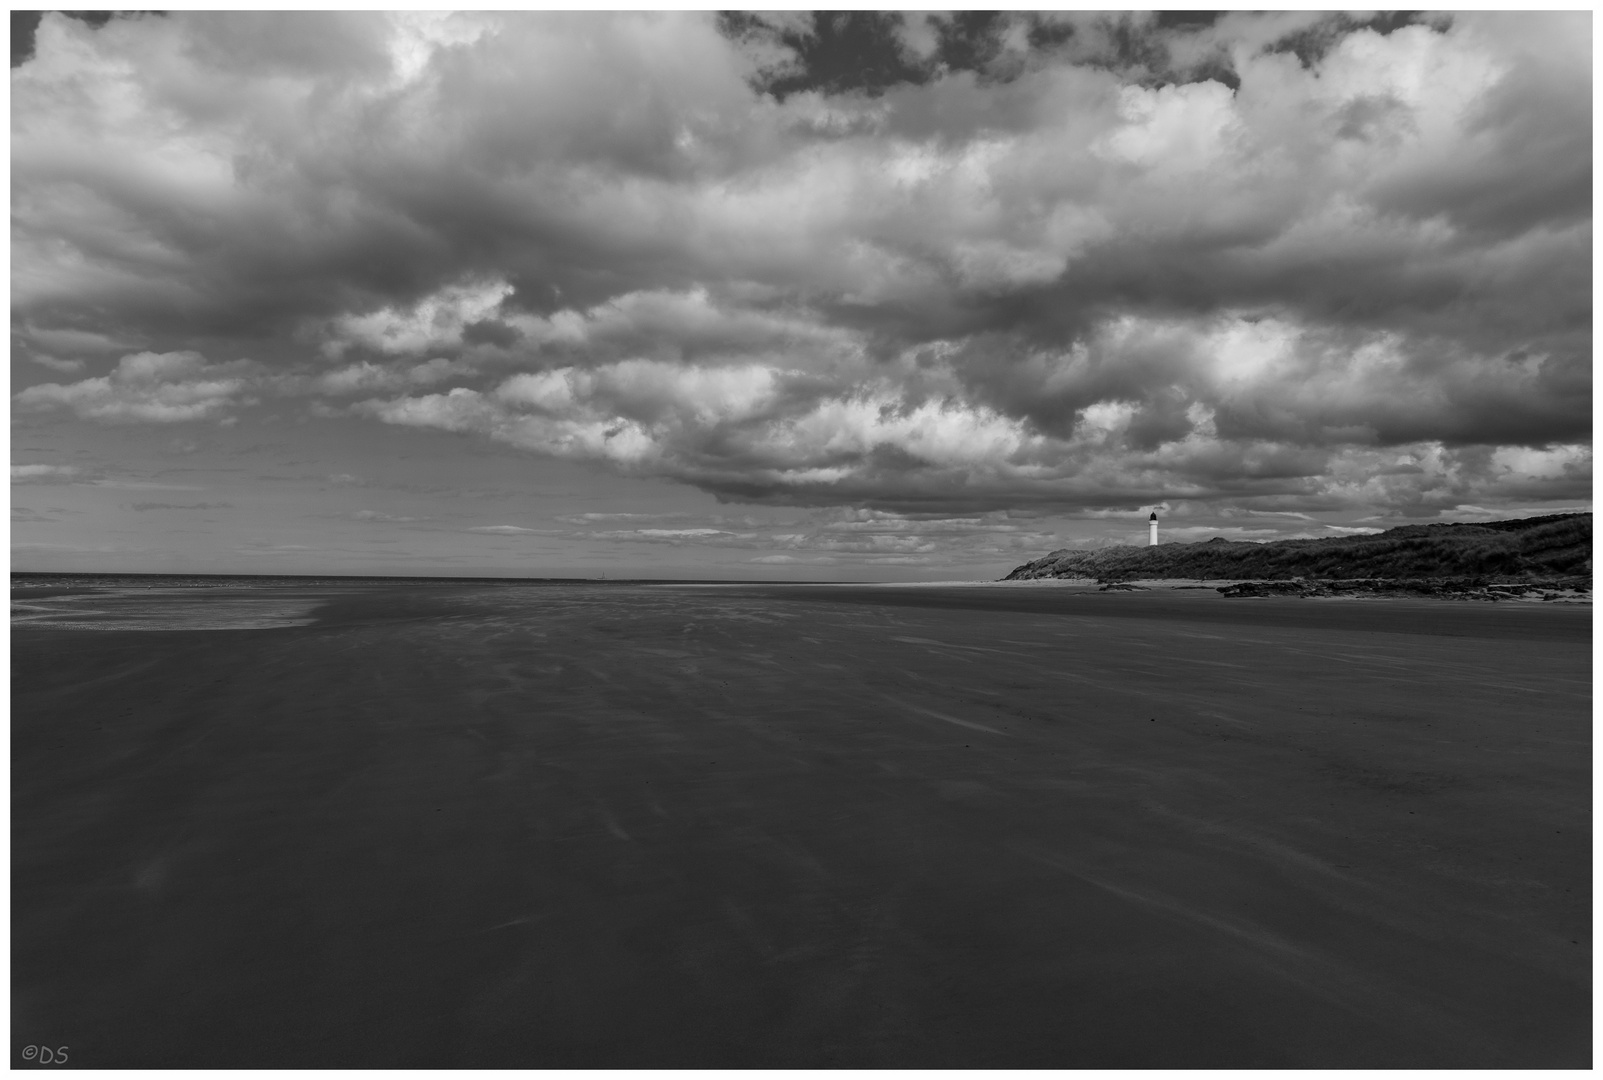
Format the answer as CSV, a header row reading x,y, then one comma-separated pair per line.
x,y
1536,549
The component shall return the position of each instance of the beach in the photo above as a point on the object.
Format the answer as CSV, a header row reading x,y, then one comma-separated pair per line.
x,y
763,826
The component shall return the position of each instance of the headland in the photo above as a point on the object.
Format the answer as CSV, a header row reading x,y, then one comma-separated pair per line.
x,y
1539,558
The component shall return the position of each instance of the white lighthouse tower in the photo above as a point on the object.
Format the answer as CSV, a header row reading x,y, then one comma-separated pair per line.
x,y
1152,530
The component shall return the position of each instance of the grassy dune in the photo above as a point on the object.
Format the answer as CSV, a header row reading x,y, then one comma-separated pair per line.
x,y
1531,549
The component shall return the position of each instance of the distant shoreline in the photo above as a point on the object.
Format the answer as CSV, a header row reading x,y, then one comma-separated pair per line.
x,y
1232,588
37,578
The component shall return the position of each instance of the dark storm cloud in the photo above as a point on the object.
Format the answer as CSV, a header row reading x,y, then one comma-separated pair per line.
x,y
25,24
831,52
1310,44
935,263
872,52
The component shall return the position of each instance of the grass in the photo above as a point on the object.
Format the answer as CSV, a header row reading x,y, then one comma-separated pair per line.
x,y
1528,549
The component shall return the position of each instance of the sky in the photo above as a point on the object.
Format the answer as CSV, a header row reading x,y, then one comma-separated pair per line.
x,y
895,296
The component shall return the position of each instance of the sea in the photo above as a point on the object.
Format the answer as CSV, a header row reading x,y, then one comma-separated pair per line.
x,y
99,602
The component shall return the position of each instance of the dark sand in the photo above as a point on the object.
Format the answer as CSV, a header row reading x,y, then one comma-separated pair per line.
x,y
566,826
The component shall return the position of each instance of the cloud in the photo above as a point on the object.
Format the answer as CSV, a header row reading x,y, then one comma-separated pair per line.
x,y
374,515
153,387
721,428
511,530
74,474
1289,261
782,560
436,321
874,521
181,506
599,518
44,474
1466,512
862,537
143,485
677,537
98,549
368,377
62,350
1193,533
66,367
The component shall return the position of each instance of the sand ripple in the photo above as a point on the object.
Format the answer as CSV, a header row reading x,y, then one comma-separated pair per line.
x,y
163,609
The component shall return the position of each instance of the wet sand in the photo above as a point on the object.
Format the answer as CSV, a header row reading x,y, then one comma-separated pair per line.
x,y
782,826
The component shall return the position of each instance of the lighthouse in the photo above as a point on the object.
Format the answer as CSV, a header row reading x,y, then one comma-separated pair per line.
x,y
1152,530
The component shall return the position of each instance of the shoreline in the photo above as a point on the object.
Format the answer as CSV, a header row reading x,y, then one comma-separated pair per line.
x,y
1342,588
1523,593
1252,588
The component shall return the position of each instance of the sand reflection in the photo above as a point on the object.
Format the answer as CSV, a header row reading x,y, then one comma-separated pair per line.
x,y
163,609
